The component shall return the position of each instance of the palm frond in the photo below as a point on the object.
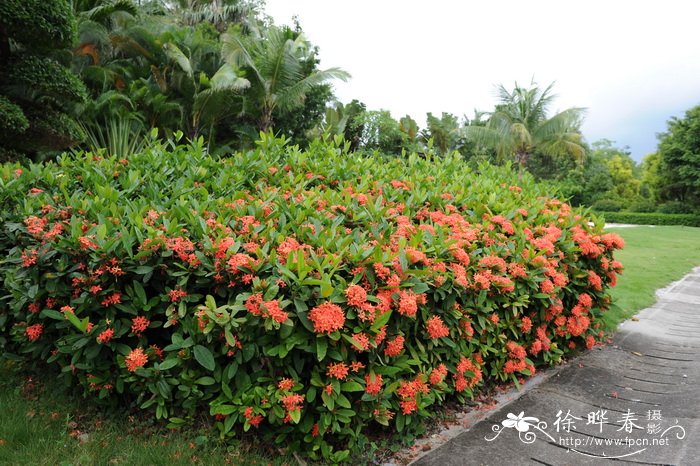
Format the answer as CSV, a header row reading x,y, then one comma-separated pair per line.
x,y
175,54
227,78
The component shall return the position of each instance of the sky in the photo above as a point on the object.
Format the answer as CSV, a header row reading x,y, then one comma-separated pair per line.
x,y
631,64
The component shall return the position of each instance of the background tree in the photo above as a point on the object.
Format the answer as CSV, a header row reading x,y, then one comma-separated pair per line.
x,y
679,153
381,132
275,62
355,125
520,126
37,90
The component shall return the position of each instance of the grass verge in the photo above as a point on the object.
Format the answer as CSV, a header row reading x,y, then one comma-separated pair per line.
x,y
653,258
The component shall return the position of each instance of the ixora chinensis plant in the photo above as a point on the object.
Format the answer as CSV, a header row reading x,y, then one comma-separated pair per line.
x,y
307,295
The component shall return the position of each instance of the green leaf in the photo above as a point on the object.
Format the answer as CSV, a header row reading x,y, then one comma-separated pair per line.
x,y
328,401
354,342
141,293
400,422
342,401
174,53
53,314
351,386
204,357
205,381
321,348
223,409
381,321
326,288
420,287
311,394
168,364
143,269
79,324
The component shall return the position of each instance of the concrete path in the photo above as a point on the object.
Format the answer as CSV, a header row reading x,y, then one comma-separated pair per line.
x,y
636,401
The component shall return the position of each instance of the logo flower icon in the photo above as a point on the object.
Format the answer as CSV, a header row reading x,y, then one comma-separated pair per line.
x,y
520,422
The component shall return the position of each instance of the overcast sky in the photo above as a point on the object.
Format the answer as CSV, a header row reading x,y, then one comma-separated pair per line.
x,y
632,64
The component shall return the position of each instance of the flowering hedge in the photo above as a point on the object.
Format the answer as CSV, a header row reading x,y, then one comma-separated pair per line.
x,y
304,294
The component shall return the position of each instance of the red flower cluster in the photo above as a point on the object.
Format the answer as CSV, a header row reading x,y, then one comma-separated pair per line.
x,y
285,384
139,324
105,336
438,375
338,370
327,318
436,327
408,392
136,359
373,384
292,402
394,347
462,381
34,332
256,306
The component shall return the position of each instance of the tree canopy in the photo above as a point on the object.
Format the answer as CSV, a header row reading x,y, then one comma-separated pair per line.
x,y
679,164
37,89
520,126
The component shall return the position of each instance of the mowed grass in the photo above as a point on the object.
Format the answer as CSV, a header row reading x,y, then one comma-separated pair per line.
x,y
653,258
42,424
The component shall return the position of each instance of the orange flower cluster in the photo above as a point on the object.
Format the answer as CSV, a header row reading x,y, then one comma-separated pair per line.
x,y
461,380
256,306
114,298
139,324
285,384
136,359
438,375
394,347
184,248
409,301
356,295
86,242
105,336
327,318
292,402
408,392
436,327
176,295
338,370
373,384
252,418
363,340
34,332
516,363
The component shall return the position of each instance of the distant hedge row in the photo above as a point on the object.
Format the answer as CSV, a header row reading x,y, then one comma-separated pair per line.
x,y
651,218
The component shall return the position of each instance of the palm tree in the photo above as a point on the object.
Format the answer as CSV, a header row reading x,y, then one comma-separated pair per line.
x,y
519,127
275,61
206,98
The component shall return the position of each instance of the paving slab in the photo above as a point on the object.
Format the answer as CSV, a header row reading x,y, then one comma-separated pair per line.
x,y
635,401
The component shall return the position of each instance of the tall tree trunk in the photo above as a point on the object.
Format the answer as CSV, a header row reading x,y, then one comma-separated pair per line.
x,y
521,158
265,122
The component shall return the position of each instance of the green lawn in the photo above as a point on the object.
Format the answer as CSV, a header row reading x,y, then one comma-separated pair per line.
x,y
653,257
40,424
